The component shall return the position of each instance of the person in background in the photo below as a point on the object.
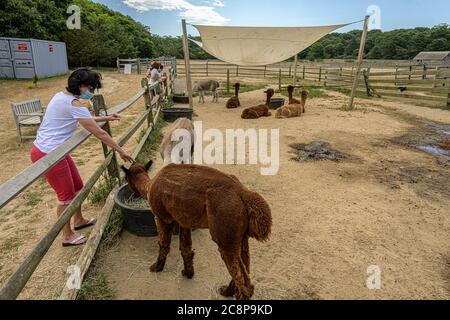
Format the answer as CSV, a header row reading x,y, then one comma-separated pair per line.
x,y
154,76
64,113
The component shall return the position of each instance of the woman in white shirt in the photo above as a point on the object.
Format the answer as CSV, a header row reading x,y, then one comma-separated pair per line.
x,y
63,114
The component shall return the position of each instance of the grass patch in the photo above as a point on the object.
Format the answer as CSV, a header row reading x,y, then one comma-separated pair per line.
x,y
313,92
348,92
10,244
244,88
32,199
103,188
95,286
154,140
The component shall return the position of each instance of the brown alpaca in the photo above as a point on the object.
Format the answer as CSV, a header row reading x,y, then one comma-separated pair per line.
x,y
292,110
168,145
202,197
234,102
261,110
292,100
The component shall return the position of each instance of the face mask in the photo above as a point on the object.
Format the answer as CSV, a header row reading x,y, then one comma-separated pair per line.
x,y
87,95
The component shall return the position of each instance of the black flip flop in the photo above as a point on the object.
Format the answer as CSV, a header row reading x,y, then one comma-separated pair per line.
x,y
90,223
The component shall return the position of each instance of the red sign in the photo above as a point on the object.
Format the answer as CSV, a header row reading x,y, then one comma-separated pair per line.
x,y
50,48
22,47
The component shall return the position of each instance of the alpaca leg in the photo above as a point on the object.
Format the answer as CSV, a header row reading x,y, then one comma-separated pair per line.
x,y
245,254
165,238
230,290
187,253
236,268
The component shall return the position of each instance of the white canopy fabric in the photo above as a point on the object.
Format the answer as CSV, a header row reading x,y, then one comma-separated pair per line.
x,y
259,46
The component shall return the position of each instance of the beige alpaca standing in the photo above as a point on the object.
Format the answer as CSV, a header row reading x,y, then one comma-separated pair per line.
x,y
182,127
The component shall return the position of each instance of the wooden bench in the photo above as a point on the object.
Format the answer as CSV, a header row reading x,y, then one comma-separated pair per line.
x,y
27,114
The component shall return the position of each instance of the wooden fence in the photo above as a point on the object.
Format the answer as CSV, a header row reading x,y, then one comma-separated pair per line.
x,y
422,82
16,185
140,65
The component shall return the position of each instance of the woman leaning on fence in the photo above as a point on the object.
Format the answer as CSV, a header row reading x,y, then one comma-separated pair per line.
x,y
63,114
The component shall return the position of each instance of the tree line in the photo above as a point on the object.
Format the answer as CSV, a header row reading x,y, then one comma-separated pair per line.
x,y
106,35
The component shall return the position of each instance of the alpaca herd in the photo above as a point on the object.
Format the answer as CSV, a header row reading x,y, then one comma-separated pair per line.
x,y
295,108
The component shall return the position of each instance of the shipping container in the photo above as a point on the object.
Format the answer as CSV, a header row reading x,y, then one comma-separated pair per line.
x,y
25,58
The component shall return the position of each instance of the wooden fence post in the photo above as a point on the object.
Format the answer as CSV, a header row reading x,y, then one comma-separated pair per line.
x,y
360,61
410,72
113,167
424,76
237,71
396,74
118,65
187,63
290,71
279,81
304,71
228,80
320,74
207,68
295,70
265,70
138,60
148,97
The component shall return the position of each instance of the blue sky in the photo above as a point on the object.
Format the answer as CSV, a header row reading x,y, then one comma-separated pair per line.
x,y
164,16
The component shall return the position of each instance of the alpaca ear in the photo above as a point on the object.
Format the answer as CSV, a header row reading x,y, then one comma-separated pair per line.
x,y
127,171
149,165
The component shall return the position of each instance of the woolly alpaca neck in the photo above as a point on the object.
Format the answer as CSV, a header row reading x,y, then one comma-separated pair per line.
x,y
269,97
236,91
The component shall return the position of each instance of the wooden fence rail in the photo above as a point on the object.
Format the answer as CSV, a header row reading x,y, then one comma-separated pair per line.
x,y
141,64
15,186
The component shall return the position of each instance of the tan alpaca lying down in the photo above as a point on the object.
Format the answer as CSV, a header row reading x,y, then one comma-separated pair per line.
x,y
292,110
174,132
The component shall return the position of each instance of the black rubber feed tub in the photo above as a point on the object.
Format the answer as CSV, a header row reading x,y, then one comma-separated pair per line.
x,y
276,103
140,222
172,114
180,98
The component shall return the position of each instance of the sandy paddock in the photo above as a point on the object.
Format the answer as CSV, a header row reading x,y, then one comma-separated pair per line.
x,y
388,205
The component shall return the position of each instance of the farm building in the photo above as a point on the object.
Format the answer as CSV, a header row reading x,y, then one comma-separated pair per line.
x,y
25,58
433,56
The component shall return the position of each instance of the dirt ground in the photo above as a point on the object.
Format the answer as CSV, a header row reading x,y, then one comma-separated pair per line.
x,y
387,205
26,219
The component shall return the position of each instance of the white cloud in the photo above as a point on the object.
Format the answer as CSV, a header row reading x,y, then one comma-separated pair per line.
x,y
200,14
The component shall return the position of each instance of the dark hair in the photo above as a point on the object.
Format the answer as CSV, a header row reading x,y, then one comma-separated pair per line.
x,y
83,77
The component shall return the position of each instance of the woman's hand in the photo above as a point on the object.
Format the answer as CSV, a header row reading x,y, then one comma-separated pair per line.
x,y
113,117
125,157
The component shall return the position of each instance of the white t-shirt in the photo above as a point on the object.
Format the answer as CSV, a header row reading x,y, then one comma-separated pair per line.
x,y
155,76
60,122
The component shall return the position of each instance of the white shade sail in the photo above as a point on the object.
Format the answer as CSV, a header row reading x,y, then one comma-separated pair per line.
x,y
258,46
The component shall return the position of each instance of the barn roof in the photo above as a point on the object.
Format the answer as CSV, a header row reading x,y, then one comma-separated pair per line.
x,y
432,55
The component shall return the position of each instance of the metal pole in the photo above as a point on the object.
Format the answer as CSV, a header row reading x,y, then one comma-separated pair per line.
x,y
187,64
360,61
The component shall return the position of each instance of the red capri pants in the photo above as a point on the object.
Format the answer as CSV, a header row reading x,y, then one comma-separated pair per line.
x,y
64,177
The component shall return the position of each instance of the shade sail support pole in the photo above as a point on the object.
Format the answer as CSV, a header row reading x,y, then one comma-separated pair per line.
x,y
359,61
187,63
